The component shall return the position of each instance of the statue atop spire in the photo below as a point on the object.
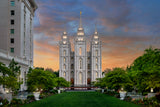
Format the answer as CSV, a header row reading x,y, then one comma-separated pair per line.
x,y
95,30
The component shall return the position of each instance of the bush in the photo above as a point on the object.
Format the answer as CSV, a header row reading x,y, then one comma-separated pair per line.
x,y
54,91
41,96
5,102
15,101
158,96
127,98
30,98
1,99
117,95
111,93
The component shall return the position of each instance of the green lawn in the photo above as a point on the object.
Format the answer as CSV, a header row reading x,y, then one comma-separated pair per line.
x,y
80,99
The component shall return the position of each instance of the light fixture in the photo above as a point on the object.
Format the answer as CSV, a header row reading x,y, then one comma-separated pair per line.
x,y
64,37
64,42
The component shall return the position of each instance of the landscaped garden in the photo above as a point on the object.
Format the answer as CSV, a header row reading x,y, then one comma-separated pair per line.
x,y
80,99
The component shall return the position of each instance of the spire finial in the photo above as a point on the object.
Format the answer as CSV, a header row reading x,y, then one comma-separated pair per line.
x,y
96,29
80,23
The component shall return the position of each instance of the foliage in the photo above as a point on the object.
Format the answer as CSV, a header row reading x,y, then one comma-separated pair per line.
x,y
31,97
13,66
145,70
158,96
118,78
100,82
61,82
40,79
5,102
127,98
9,78
15,101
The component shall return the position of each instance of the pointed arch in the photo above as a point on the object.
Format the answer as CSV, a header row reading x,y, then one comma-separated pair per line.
x,y
80,51
64,53
80,78
96,74
64,66
64,74
80,63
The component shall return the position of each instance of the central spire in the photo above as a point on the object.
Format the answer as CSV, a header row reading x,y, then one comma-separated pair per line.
x,y
80,22
80,29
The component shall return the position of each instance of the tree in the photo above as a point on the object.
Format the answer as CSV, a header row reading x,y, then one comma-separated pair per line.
x,y
61,82
39,80
118,78
7,78
145,70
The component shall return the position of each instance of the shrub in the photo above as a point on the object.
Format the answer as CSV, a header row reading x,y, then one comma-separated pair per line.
x,y
41,96
111,93
1,99
158,96
5,102
15,101
117,95
127,98
54,91
30,98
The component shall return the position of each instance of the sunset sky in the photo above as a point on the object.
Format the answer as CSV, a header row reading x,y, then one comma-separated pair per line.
x,y
126,28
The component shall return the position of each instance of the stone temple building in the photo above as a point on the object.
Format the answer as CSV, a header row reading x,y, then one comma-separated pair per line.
x,y
16,35
79,66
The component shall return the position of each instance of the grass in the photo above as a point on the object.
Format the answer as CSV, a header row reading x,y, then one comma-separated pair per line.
x,y
80,99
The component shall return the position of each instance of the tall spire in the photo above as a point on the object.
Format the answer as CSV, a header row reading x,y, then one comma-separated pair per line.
x,y
80,29
80,22
95,27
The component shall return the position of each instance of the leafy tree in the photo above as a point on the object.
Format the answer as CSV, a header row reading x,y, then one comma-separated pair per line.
x,y
100,83
39,79
61,82
117,79
13,66
7,78
145,70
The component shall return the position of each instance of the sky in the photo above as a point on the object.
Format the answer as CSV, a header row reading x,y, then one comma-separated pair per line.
x,y
126,28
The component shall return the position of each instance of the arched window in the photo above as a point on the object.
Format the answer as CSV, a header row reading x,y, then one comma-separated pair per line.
x,y
64,52
96,74
64,74
64,60
96,60
64,66
96,66
80,51
96,52
72,66
80,63
80,78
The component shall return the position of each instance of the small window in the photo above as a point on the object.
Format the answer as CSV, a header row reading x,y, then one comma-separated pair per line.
x,y
96,74
12,13
12,22
12,40
96,67
80,63
64,66
12,50
80,51
96,52
12,3
64,52
96,60
64,60
12,31
64,74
